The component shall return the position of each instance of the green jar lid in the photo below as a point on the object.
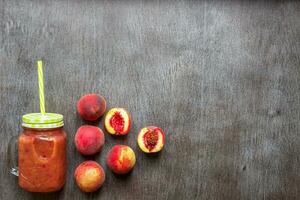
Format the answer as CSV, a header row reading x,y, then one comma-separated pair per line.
x,y
39,120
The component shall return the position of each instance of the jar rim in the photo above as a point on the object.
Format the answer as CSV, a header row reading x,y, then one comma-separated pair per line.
x,y
39,120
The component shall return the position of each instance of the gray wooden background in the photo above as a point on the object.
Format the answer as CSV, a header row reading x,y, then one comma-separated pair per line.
x,y
221,78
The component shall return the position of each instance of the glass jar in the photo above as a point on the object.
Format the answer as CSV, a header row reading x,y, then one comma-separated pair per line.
x,y
41,153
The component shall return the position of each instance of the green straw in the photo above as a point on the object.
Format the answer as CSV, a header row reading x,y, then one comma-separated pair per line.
x,y
41,86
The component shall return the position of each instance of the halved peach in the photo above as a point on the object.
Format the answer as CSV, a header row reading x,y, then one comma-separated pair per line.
x,y
151,139
117,121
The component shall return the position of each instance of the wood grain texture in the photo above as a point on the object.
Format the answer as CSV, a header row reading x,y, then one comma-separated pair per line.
x,y
221,78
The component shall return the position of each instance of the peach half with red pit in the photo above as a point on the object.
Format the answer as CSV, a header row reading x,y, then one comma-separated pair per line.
x,y
117,121
151,139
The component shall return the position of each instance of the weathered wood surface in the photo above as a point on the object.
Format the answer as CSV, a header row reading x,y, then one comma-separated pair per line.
x,y
221,78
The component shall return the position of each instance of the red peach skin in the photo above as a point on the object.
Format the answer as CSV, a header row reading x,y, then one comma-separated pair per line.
x,y
121,159
91,107
89,176
89,139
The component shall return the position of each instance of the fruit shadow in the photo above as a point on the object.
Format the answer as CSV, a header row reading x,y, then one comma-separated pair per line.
x,y
93,123
93,194
150,156
123,177
153,155
119,137
91,157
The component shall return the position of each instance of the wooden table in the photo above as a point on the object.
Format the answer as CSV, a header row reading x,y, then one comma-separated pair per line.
x,y
221,78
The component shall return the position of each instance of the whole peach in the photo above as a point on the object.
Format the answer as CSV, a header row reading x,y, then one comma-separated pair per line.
x,y
120,159
91,107
89,139
89,176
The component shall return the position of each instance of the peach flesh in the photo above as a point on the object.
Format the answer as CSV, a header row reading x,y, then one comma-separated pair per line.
x,y
121,159
91,107
89,139
151,139
89,176
117,121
